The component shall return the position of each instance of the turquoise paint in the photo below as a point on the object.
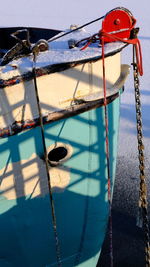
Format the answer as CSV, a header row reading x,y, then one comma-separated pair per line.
x,y
26,231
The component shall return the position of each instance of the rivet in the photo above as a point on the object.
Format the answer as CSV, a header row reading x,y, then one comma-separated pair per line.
x,y
117,21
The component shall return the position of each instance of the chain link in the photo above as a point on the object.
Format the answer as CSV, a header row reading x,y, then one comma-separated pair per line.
x,y
143,203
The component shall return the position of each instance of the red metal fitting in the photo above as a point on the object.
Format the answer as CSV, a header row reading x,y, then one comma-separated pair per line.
x,y
118,22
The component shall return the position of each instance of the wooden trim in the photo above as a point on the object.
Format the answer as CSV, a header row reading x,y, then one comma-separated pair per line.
x,y
20,126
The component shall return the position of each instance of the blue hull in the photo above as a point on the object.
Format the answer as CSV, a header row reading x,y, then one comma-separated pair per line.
x,y
26,231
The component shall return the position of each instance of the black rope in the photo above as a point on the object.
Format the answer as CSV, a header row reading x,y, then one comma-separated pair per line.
x,y
76,29
47,165
106,119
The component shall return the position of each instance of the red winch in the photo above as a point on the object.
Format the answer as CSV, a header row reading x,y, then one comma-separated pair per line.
x,y
118,25
118,22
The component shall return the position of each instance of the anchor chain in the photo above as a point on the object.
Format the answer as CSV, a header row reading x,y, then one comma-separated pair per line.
x,y
143,203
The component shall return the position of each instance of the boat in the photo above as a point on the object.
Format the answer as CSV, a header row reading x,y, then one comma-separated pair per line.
x,y
52,99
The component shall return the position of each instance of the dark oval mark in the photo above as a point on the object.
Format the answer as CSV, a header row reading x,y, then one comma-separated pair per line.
x,y
57,154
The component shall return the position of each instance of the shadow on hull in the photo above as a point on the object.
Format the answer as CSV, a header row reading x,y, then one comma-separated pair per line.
x,y
26,229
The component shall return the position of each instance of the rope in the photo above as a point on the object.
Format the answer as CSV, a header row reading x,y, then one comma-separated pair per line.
x,y
143,198
78,28
47,165
135,41
107,155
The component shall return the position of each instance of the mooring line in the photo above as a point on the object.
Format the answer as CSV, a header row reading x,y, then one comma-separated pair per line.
x,y
76,29
107,153
58,254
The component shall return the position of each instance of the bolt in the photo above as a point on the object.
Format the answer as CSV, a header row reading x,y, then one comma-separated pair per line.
x,y
117,21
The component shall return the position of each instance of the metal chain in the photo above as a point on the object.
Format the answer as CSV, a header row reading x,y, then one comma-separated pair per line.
x,y
143,203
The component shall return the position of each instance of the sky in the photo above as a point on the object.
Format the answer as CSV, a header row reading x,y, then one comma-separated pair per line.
x,y
61,14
